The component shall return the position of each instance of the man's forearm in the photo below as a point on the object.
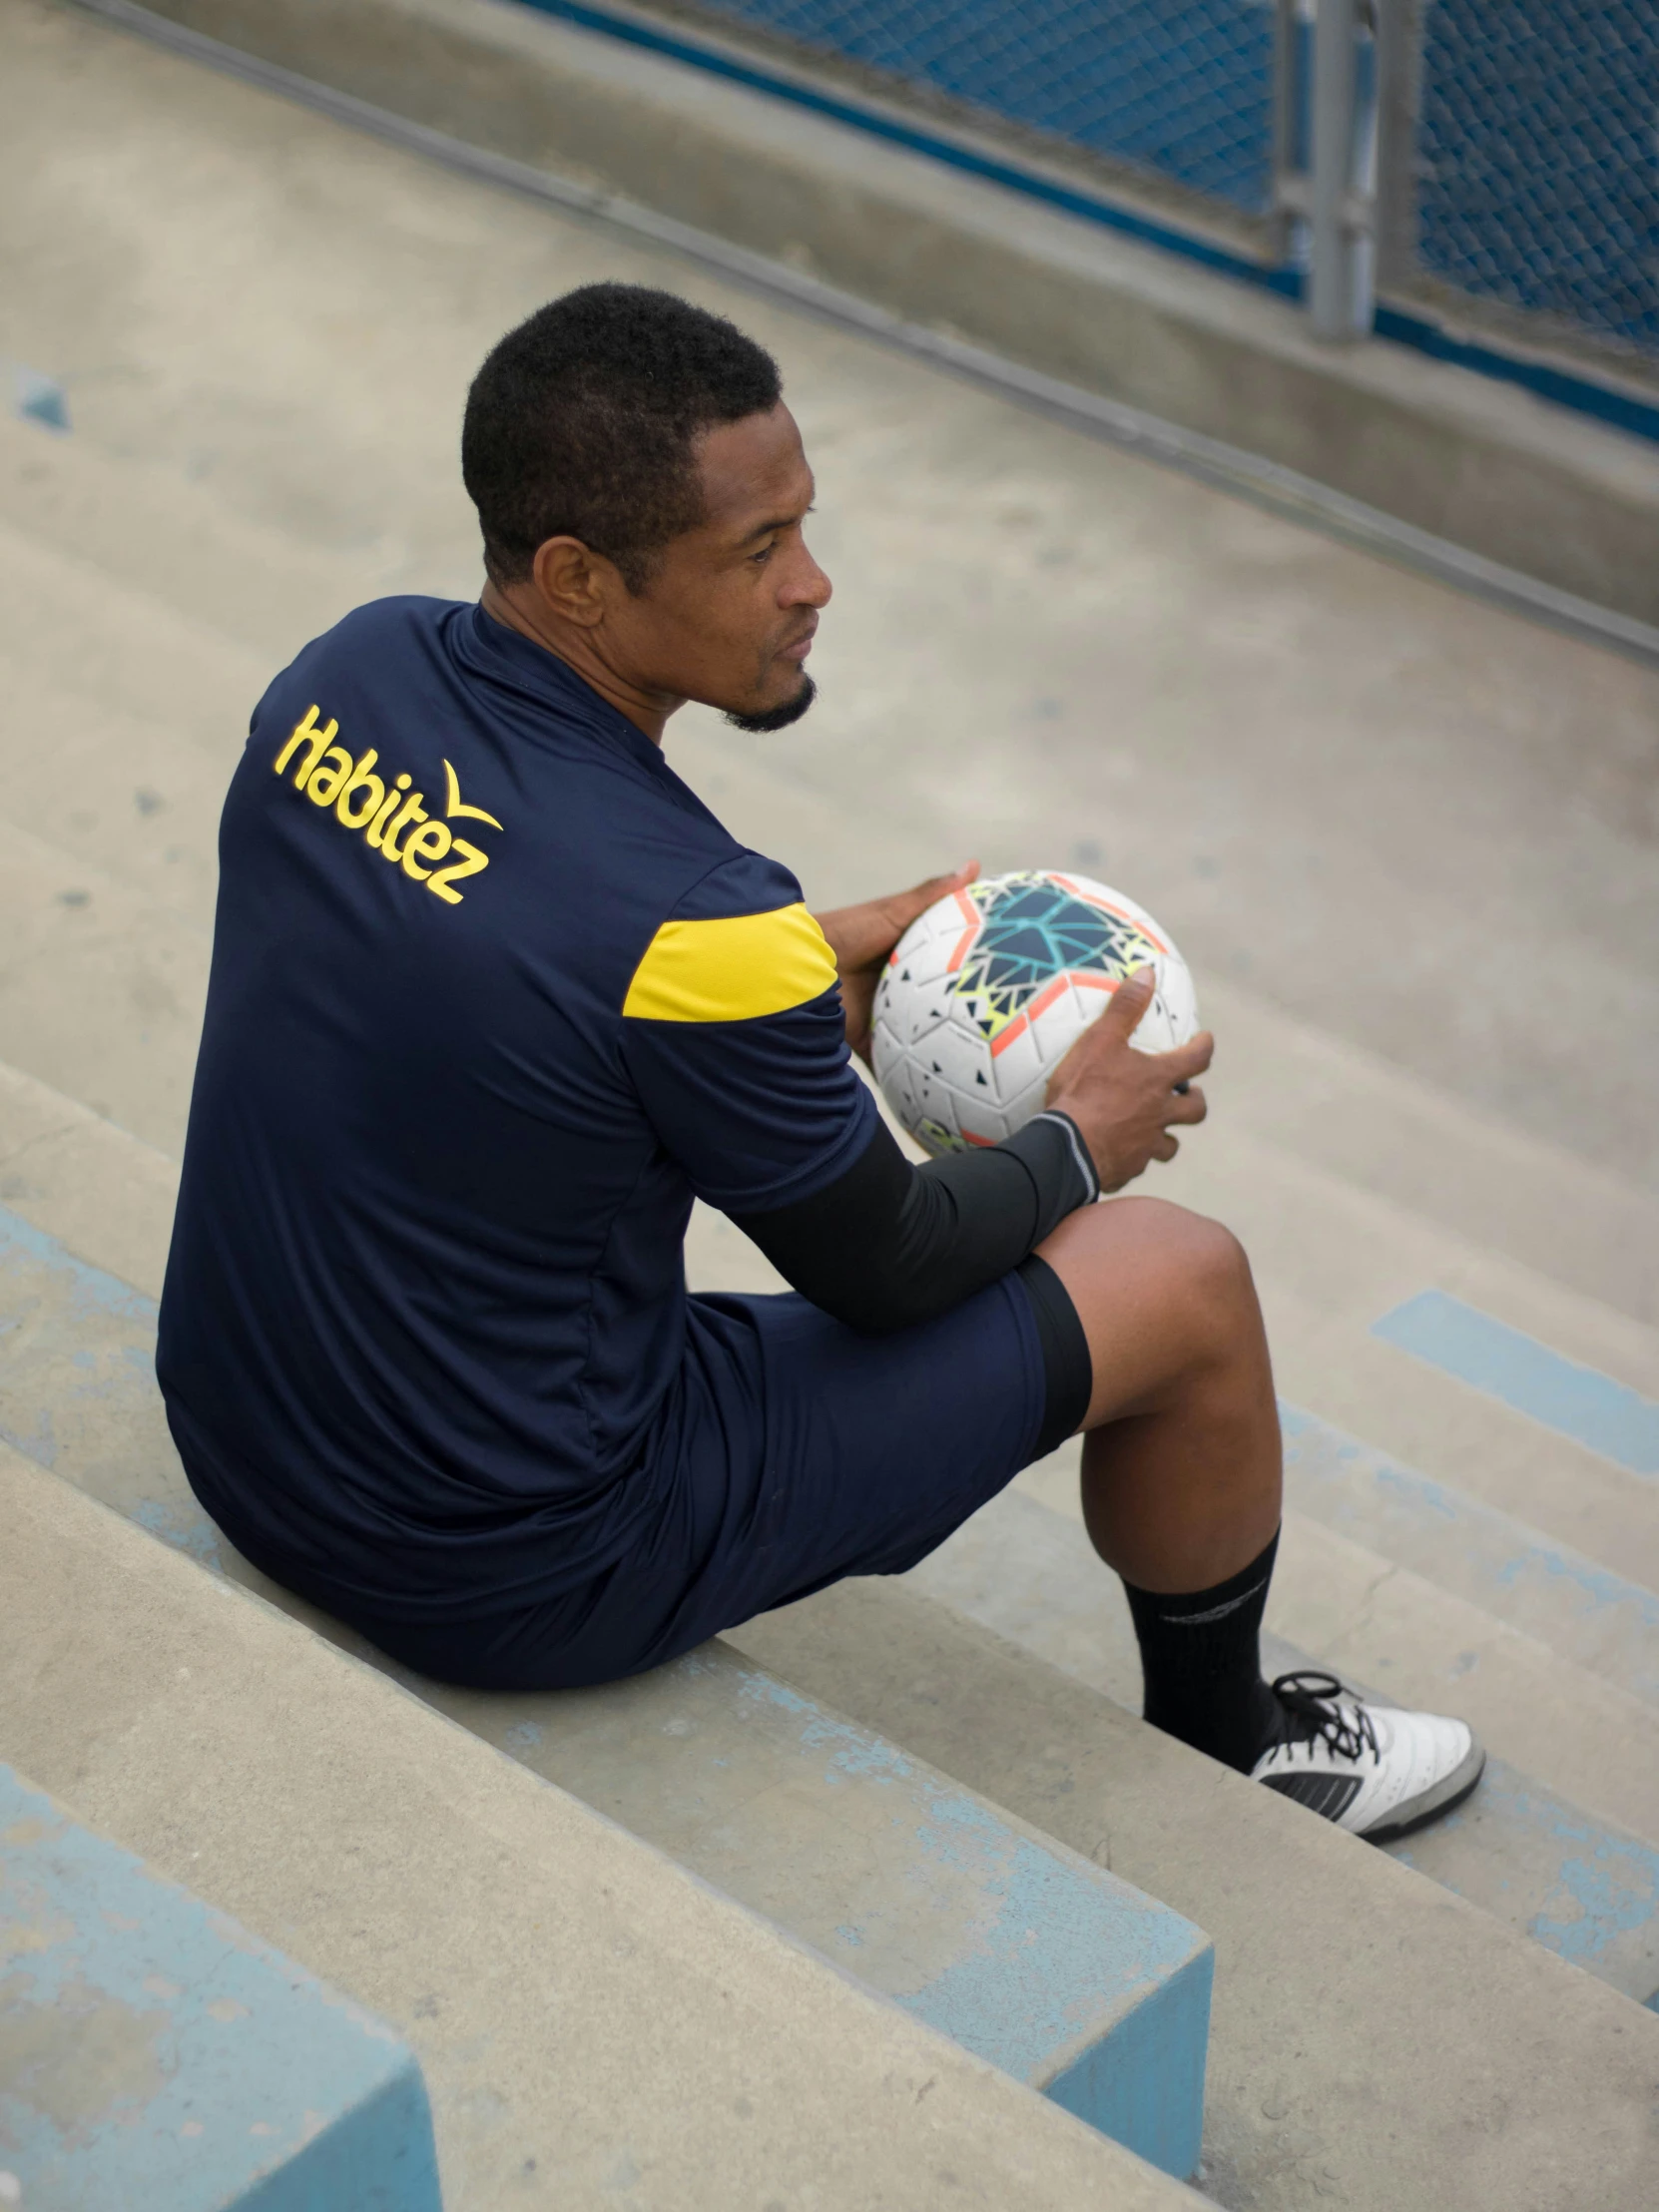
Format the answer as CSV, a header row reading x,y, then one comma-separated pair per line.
x,y
888,1244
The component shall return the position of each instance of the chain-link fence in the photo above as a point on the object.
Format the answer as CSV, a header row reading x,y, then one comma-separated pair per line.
x,y
1181,90
1537,168
1498,165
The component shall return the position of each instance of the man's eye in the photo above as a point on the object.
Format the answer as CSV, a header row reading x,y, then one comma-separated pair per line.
x,y
765,554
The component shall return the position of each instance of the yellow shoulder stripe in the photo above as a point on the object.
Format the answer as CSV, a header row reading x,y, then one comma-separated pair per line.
x,y
733,970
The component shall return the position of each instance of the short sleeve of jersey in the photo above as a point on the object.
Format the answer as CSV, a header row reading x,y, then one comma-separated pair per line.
x,y
733,1037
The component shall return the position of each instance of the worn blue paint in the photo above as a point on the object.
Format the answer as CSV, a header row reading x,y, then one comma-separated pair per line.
x,y
1489,1356
1602,1886
854,1753
161,2056
1055,1960
1149,2088
1584,1610
1583,1889
38,398
1048,1958
1607,1886
1028,1993
183,1525
90,1288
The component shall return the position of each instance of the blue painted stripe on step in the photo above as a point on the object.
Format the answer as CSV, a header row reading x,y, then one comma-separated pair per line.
x,y
90,1284
220,2074
1601,1891
1489,1356
1586,1612
1606,1885
1031,1958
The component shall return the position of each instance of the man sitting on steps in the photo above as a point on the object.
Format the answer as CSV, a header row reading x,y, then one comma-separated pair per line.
x,y
494,996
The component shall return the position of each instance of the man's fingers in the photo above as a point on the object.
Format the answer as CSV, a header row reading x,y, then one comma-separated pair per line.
x,y
903,908
1130,1001
1187,1060
922,895
1167,1147
1187,1107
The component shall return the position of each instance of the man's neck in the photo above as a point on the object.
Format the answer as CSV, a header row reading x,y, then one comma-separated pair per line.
x,y
646,710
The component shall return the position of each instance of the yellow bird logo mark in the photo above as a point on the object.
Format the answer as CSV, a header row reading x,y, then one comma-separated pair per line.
x,y
453,806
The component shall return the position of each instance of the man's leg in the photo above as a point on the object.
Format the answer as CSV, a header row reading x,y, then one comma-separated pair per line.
x,y
1182,1485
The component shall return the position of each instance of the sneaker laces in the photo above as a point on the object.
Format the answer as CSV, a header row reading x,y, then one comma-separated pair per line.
x,y
1313,1714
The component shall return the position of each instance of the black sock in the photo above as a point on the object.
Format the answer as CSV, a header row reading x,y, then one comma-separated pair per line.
x,y
1201,1660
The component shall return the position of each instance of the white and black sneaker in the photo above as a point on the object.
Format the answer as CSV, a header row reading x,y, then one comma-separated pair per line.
x,y
1376,1770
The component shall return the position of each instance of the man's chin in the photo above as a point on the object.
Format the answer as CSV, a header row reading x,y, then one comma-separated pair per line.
x,y
779,717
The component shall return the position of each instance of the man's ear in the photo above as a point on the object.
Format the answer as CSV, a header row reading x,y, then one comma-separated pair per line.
x,y
577,584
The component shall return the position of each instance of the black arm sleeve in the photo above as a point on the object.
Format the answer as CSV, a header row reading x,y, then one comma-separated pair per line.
x,y
888,1244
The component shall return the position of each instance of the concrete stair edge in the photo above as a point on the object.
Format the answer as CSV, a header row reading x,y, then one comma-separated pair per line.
x,y
438,1867
172,543
1525,1848
85,1128
104,1194
1370,2030
1345,1886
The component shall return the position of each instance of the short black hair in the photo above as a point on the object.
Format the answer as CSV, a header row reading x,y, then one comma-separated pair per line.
x,y
582,423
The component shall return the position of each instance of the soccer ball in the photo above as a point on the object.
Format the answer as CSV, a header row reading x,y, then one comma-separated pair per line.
x,y
986,993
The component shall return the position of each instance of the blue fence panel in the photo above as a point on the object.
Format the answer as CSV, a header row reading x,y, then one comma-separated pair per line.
x,y
1540,157
1179,87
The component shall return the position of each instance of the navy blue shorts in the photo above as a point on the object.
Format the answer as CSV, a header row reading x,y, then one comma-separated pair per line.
x,y
804,1453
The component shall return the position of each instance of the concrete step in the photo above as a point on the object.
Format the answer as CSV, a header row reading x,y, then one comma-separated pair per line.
x,y
1334,1259
1598,1619
1021,1951
1526,1849
146,654
1366,2022
1286,2125
120,511
594,2025
101,989
1022,1566
1371,1125
92,1187
273,2090
1038,1961
129,797
1405,1632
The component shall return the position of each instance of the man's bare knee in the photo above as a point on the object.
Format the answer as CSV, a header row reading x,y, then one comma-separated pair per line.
x,y
1162,1293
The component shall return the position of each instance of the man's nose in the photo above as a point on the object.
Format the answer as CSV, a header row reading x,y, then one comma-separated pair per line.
x,y
809,586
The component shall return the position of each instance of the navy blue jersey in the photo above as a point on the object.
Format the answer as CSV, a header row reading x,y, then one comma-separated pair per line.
x,y
493,996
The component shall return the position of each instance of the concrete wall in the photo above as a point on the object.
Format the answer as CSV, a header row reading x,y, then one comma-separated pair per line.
x,y
1486,466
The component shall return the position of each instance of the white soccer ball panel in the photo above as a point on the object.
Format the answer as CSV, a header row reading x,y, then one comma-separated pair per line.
x,y
1017,1064
959,1059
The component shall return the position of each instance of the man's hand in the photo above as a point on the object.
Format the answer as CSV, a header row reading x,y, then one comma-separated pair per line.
x,y
1122,1100
863,937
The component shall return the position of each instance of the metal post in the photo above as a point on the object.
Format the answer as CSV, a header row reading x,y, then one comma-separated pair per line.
x,y
1400,36
1332,290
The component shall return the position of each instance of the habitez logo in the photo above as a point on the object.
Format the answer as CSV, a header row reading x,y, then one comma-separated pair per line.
x,y
392,817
